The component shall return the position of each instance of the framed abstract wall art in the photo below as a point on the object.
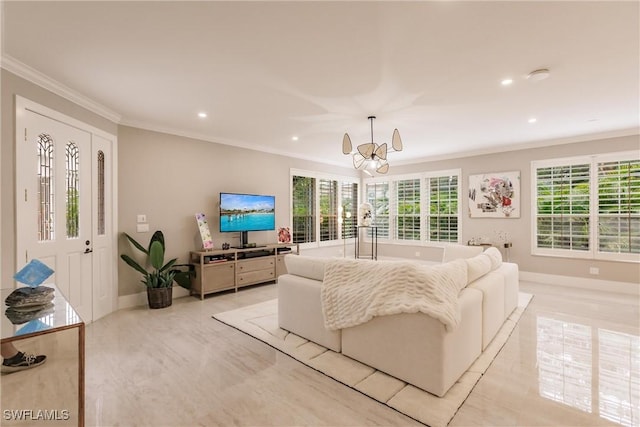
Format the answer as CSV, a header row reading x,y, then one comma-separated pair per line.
x,y
494,195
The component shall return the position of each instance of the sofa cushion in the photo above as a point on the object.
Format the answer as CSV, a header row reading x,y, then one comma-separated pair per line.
x,y
300,312
454,251
417,348
511,286
492,287
477,267
306,266
496,257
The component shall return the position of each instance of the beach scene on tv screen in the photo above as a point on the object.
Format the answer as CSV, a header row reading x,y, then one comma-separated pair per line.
x,y
247,212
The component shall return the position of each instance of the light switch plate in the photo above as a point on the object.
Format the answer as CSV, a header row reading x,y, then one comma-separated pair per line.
x,y
142,219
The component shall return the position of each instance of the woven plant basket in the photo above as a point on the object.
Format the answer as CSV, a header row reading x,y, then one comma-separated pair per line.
x,y
159,297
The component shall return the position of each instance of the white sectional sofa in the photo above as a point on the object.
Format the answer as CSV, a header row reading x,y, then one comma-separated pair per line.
x,y
413,347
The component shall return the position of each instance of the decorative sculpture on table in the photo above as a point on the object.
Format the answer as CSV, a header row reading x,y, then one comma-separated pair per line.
x,y
31,302
365,216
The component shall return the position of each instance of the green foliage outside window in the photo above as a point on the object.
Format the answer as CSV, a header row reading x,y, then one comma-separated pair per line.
x,y
443,209
72,213
564,209
619,207
304,189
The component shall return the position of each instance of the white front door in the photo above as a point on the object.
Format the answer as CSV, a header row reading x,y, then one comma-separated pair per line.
x,y
102,235
63,208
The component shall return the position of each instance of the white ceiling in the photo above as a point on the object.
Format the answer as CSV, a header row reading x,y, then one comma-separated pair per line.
x,y
266,71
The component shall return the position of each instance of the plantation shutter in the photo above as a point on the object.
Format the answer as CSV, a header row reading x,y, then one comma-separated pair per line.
x,y
304,209
562,194
349,195
328,193
407,209
619,206
443,214
378,197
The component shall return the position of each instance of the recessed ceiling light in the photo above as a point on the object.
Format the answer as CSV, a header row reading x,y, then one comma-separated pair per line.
x,y
533,120
202,115
506,82
294,138
592,120
537,75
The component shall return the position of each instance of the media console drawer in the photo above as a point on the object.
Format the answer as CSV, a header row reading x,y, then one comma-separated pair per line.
x,y
257,270
257,276
256,264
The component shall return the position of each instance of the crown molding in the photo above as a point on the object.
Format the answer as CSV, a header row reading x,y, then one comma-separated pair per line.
x,y
525,146
223,141
36,77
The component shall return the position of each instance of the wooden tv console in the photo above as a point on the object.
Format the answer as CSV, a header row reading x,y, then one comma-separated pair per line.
x,y
220,270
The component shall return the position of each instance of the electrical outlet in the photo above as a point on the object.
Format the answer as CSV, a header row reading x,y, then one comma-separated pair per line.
x,y
142,228
417,253
594,270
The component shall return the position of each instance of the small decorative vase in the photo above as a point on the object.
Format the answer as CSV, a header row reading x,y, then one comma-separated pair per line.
x,y
159,297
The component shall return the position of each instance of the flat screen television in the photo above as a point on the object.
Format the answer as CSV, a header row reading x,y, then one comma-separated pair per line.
x,y
246,212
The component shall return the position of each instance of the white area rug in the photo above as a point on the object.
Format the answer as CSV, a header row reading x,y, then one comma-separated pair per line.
x,y
261,321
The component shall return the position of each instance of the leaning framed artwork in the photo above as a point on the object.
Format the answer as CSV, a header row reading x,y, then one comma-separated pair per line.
x,y
494,195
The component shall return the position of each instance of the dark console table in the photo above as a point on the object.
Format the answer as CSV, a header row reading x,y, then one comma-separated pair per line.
x,y
362,244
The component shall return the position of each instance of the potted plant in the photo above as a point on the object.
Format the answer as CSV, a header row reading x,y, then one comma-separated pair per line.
x,y
158,280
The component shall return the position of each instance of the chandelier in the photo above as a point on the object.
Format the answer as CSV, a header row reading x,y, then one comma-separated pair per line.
x,y
371,156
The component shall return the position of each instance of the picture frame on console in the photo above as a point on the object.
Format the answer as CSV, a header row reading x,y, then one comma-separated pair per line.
x,y
284,235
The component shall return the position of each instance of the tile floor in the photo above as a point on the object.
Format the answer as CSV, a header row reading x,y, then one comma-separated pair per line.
x,y
574,359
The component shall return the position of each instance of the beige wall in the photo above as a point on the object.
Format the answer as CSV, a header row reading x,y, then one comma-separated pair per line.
x,y
13,85
171,178
520,228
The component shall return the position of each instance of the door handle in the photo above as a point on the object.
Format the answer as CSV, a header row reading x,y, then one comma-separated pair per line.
x,y
88,251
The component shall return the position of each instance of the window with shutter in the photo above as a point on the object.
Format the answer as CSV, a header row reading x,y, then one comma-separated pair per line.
x,y
418,207
563,207
328,193
378,197
303,209
443,215
407,209
323,207
619,206
349,204
587,207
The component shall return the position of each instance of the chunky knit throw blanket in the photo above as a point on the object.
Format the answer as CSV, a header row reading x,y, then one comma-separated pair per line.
x,y
355,291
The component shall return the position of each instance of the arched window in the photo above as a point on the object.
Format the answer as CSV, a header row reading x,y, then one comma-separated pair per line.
x,y
46,187
100,195
72,189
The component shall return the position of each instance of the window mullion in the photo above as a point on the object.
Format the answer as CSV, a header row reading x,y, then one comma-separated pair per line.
x,y
594,210
318,211
424,208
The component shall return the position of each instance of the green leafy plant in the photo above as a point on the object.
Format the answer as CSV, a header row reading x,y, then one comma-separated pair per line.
x,y
183,272
161,275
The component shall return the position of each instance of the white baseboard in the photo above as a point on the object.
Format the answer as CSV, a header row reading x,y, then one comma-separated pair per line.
x,y
135,300
582,282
